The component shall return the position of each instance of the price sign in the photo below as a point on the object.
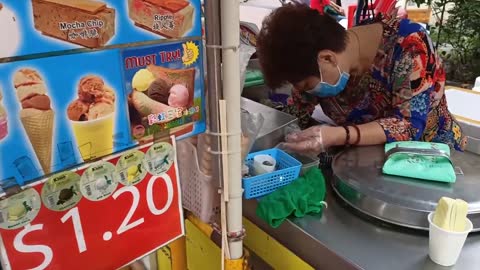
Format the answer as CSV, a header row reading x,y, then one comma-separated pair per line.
x,y
130,221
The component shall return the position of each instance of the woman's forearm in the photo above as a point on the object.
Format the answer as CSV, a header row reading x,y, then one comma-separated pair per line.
x,y
370,134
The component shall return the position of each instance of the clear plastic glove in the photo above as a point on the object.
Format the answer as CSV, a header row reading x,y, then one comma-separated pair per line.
x,y
308,142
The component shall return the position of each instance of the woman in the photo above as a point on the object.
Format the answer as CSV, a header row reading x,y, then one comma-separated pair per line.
x,y
377,83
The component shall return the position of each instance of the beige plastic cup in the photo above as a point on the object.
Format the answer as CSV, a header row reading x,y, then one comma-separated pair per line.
x,y
445,246
94,137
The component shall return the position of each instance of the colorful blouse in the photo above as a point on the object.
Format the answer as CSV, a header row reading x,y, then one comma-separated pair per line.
x,y
404,91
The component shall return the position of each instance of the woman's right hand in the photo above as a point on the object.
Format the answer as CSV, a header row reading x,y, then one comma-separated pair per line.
x,y
308,142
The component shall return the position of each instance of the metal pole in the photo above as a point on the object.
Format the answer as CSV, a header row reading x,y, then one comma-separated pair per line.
x,y
214,80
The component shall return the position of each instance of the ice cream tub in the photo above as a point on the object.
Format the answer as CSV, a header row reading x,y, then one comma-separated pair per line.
x,y
94,137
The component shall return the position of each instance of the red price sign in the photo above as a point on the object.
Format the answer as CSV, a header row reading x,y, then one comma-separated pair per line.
x,y
102,233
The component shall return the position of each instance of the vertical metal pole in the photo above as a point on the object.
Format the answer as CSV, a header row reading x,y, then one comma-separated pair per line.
x,y
214,80
230,13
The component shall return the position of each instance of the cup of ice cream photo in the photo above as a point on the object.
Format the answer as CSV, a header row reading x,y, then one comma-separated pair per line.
x,y
92,117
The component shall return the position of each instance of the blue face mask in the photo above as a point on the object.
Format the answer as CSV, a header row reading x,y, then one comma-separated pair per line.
x,y
323,89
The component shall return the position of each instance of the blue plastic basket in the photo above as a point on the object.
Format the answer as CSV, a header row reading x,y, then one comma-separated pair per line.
x,y
287,169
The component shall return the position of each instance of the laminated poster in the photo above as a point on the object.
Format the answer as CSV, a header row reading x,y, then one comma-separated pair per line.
x,y
165,89
39,26
57,112
62,111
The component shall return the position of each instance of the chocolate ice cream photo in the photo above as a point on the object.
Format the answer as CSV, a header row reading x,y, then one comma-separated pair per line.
x,y
92,117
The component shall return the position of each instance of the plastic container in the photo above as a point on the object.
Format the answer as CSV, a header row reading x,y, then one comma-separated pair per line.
x,y
287,169
307,162
199,191
445,246
462,104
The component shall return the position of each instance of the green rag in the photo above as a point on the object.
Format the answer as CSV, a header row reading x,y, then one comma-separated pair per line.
x,y
299,198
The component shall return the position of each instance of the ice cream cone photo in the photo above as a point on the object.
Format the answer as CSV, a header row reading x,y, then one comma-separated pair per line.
x,y
36,115
92,117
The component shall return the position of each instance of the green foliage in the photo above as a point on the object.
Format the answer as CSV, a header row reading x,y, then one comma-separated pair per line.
x,y
460,34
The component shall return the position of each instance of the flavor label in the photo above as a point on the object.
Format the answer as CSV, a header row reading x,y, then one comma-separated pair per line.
x,y
98,182
62,191
163,23
159,158
130,168
19,209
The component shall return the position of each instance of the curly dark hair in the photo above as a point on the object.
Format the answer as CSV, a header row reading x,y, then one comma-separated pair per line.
x,y
290,39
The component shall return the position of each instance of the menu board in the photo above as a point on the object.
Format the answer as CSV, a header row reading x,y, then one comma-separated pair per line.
x,y
40,26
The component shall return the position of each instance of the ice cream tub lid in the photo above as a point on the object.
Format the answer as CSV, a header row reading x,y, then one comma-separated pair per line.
x,y
159,158
61,191
19,209
130,168
98,182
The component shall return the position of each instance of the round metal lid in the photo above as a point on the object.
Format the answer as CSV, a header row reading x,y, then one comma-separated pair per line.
x,y
359,181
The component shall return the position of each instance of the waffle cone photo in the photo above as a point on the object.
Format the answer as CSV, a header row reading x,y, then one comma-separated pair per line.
x,y
39,129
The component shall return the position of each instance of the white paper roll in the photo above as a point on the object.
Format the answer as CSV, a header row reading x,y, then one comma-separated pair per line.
x,y
263,164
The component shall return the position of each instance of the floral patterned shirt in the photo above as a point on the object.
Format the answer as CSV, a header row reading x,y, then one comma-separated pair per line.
x,y
404,91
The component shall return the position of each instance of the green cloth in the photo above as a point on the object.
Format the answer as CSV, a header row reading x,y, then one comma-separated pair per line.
x,y
301,197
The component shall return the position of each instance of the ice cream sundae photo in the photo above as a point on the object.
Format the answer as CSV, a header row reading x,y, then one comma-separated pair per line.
x,y
92,117
159,95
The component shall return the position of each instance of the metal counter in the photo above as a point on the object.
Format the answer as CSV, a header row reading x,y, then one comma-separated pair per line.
x,y
343,239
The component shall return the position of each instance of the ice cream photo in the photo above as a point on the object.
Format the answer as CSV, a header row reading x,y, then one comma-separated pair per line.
x,y
3,119
92,117
36,114
10,28
159,91
168,18
88,23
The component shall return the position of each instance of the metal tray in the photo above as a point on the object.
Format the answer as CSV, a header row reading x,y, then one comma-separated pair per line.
x,y
273,129
358,180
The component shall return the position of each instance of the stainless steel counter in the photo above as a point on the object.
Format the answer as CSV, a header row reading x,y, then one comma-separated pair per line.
x,y
342,239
